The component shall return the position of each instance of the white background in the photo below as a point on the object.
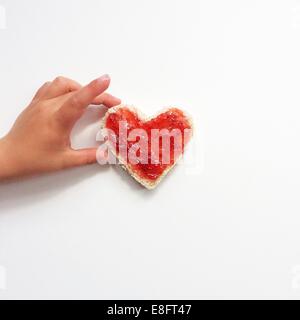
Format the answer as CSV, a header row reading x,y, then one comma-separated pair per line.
x,y
230,230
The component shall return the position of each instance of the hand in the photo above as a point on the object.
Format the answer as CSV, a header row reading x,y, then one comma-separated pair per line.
x,y
39,141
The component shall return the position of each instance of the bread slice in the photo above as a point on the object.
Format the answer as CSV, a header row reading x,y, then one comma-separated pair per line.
x,y
147,183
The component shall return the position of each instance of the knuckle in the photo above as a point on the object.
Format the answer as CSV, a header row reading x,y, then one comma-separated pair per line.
x,y
60,80
45,84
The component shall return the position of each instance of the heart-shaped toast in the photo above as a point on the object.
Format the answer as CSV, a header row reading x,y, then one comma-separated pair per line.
x,y
148,148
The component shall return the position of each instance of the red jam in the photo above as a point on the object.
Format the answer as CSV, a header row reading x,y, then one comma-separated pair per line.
x,y
171,119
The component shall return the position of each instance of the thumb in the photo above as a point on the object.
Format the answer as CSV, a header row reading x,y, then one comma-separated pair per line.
x,y
81,157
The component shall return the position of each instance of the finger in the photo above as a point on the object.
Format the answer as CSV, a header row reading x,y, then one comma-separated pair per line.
x,y
61,86
73,108
75,158
107,99
42,90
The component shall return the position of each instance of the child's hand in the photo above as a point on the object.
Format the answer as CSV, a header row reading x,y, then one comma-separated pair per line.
x,y
40,138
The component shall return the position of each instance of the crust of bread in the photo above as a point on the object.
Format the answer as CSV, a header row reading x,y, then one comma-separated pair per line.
x,y
149,184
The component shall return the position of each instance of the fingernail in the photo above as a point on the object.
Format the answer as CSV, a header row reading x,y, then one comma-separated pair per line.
x,y
105,77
